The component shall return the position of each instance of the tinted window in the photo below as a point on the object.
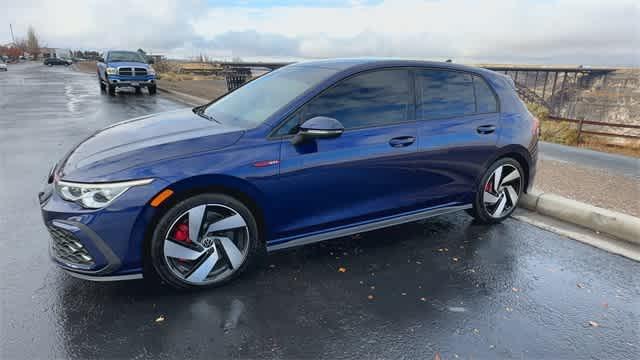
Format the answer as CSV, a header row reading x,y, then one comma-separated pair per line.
x,y
254,102
369,99
485,100
116,56
444,94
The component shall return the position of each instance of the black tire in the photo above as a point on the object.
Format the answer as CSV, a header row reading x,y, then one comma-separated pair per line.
x,y
156,262
152,89
480,211
111,89
102,86
138,90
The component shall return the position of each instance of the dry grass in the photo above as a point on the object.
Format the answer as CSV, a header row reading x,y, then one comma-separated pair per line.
x,y
563,132
172,76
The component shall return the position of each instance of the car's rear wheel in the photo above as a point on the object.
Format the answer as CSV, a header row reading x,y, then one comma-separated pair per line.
x,y
498,192
205,241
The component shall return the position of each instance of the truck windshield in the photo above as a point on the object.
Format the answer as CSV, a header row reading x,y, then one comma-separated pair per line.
x,y
254,102
122,56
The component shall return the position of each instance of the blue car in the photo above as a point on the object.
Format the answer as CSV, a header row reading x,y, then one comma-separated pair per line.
x,y
309,152
125,69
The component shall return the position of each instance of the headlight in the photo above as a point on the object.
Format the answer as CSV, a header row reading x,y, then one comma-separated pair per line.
x,y
112,71
151,71
95,196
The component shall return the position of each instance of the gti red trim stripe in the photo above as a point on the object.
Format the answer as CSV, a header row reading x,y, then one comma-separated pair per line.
x,y
266,163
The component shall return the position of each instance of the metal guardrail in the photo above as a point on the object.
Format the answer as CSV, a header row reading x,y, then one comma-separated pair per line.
x,y
581,123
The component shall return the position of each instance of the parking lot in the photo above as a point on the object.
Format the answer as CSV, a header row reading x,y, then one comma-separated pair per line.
x,y
443,286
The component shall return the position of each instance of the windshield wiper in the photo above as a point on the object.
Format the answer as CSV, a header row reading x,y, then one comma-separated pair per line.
x,y
199,110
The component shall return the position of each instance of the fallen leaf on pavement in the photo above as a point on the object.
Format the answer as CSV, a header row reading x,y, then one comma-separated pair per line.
x,y
370,297
160,318
515,289
455,259
342,269
593,324
437,356
580,286
423,299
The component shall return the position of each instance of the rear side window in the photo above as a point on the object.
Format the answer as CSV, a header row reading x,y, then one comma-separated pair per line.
x,y
443,94
369,99
485,99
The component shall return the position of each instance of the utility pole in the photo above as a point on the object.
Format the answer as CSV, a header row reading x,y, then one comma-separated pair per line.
x,y
12,37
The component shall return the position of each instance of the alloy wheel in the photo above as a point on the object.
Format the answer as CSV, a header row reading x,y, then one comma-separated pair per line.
x,y
501,191
206,244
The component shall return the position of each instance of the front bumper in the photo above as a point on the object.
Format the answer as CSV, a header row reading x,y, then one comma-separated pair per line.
x,y
105,244
131,81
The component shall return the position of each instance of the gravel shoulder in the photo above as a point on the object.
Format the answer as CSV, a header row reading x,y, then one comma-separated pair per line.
x,y
206,89
593,186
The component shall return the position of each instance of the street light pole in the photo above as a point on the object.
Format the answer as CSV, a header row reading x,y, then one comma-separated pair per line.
x,y
12,37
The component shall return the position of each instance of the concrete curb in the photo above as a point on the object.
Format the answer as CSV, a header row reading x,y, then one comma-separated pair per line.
x,y
184,98
622,226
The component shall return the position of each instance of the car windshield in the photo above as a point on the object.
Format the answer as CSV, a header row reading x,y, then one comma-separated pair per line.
x,y
121,56
254,102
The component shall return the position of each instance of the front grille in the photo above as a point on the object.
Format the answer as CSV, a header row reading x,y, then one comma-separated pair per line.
x,y
67,247
125,71
130,71
140,72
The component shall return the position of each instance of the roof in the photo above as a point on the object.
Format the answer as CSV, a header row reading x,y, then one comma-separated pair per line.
x,y
372,63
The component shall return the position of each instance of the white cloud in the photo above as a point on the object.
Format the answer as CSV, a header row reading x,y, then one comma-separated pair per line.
x,y
560,31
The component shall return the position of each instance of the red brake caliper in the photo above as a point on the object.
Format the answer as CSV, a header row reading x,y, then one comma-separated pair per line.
x,y
182,233
489,186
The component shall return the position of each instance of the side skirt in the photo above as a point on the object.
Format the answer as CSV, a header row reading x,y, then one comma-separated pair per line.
x,y
369,226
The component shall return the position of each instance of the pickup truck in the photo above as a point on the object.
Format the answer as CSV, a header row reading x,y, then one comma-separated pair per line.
x,y
126,69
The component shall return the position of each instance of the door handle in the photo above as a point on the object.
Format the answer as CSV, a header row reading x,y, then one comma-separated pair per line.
x,y
402,141
486,129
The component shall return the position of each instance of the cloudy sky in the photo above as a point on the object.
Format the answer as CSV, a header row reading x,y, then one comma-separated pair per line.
x,y
594,32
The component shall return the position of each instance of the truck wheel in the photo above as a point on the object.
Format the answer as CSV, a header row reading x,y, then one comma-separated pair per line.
x,y
152,89
111,89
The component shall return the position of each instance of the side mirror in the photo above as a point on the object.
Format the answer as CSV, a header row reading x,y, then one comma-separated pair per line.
x,y
319,127
150,61
100,59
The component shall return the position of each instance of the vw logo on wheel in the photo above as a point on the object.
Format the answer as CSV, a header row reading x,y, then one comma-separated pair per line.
x,y
207,242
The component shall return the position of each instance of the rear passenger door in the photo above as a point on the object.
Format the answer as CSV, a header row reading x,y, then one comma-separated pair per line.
x,y
365,173
458,119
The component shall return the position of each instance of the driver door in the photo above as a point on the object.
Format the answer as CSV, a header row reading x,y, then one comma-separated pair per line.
x,y
363,174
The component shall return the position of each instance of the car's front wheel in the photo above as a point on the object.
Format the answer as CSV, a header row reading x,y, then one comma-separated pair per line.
x,y
152,89
205,241
498,192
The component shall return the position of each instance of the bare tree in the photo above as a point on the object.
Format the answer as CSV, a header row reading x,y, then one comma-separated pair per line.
x,y
33,45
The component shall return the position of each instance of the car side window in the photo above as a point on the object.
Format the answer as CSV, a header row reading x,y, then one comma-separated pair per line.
x,y
290,126
443,94
485,99
370,99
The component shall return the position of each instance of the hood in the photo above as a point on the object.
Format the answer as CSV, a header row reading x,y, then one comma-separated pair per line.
x,y
144,140
128,64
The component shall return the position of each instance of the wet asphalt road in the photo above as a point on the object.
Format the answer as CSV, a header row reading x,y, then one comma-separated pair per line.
x,y
444,285
611,163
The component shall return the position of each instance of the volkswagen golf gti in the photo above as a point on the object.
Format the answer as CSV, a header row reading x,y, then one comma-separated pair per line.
x,y
312,151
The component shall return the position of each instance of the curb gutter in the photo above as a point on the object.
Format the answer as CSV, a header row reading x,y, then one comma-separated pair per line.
x,y
622,226
184,98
